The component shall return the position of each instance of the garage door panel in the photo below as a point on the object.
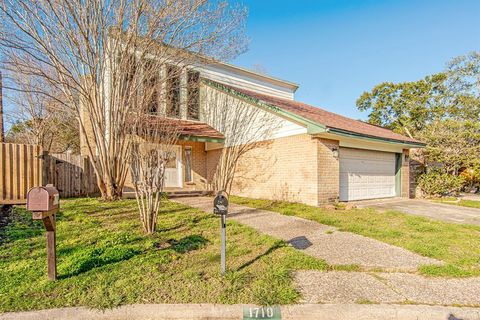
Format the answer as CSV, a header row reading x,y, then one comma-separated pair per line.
x,y
361,166
366,174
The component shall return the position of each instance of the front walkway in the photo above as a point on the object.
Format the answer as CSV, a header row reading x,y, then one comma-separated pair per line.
x,y
373,284
439,211
321,241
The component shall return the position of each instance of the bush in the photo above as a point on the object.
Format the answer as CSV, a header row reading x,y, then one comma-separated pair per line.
x,y
440,184
472,177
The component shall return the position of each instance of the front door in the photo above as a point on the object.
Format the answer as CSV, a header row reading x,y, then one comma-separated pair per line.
x,y
173,170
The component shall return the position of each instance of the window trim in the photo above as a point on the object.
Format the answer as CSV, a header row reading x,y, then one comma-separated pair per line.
x,y
188,163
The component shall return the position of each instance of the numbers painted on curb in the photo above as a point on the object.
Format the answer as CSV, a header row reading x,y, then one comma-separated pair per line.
x,y
270,312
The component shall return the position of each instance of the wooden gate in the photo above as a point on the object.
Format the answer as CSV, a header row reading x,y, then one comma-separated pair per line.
x,y
73,175
25,166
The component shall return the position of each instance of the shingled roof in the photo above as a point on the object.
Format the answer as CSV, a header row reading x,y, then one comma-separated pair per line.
x,y
187,129
198,129
326,118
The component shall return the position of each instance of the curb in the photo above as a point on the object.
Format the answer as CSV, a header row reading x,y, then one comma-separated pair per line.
x,y
227,312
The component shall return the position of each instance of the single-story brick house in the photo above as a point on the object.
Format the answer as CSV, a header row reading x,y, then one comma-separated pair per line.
x,y
310,155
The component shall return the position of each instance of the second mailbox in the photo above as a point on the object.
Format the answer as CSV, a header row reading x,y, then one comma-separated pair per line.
x,y
43,198
220,204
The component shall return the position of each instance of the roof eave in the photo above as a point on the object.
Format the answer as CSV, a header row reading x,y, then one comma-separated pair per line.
x,y
409,144
201,138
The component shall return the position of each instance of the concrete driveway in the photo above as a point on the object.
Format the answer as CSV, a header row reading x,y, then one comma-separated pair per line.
x,y
439,211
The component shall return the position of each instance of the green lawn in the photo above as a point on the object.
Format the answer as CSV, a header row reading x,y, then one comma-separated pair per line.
x,y
463,203
457,245
104,260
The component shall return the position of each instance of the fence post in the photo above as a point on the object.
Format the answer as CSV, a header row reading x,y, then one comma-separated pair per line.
x,y
86,176
45,163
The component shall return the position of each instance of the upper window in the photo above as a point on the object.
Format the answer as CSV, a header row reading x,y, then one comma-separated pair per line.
x,y
193,95
151,88
173,91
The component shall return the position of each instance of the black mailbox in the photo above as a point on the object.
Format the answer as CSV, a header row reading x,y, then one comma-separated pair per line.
x,y
220,204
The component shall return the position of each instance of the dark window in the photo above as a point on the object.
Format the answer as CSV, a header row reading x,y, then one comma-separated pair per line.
x,y
151,83
188,164
127,69
193,97
173,91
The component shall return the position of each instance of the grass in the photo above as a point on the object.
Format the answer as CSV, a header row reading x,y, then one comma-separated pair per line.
x,y
462,203
457,245
104,260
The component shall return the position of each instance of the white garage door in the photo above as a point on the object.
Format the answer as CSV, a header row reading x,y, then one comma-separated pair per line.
x,y
366,174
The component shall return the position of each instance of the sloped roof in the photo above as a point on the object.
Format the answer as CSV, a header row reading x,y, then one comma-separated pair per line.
x,y
187,128
198,129
326,118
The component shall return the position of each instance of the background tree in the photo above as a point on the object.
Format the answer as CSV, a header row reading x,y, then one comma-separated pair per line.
x,y
91,47
38,119
410,107
464,83
442,110
407,107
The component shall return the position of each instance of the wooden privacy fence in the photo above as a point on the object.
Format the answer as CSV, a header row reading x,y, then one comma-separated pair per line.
x,y
20,169
25,166
72,174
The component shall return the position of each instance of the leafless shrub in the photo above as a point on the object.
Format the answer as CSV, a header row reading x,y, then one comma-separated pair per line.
x,y
153,142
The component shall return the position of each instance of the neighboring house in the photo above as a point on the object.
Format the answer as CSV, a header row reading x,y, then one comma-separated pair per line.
x,y
311,155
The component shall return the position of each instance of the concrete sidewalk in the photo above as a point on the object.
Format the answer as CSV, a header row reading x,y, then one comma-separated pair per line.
x,y
433,210
321,241
235,312
364,287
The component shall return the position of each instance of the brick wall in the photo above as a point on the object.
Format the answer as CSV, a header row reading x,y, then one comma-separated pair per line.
x,y
328,171
281,169
212,158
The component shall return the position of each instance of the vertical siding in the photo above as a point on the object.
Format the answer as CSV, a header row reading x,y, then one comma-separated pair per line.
x,y
20,167
25,166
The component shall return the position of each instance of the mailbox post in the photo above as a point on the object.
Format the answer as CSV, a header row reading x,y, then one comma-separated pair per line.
x,y
44,204
220,207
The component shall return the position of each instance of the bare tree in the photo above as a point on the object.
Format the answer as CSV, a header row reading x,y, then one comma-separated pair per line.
x,y
2,129
246,127
38,119
101,52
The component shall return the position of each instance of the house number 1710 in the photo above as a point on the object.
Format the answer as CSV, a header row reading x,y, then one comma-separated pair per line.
x,y
272,313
